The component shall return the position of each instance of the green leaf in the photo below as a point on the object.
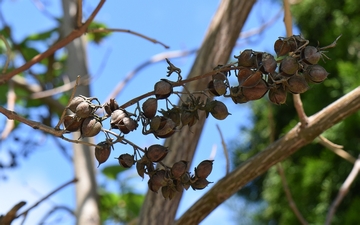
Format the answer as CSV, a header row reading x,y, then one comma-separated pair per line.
x,y
98,36
111,172
41,36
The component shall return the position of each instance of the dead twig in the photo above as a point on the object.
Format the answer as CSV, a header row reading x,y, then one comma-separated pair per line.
x,y
108,30
344,189
337,149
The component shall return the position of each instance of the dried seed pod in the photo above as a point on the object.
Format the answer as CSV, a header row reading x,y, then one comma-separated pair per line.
x,y
269,63
316,73
163,89
289,65
75,102
173,114
155,122
149,107
166,128
246,58
252,80
281,47
189,118
178,169
243,74
311,55
127,124
178,186
256,92
278,95
84,109
157,180
71,123
116,117
204,169
126,160
237,95
102,152
156,153
219,76
217,109
200,184
217,87
297,84
111,106
168,192
90,127
140,168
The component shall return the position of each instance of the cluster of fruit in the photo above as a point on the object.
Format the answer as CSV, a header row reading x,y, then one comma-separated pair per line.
x,y
257,73
260,72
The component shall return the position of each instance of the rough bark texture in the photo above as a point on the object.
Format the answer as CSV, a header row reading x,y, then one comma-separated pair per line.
x,y
87,209
216,49
274,153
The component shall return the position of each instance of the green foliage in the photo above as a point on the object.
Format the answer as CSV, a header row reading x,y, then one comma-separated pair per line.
x,y
98,36
314,174
112,172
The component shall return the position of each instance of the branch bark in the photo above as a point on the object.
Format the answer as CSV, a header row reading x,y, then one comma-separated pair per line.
x,y
219,41
291,142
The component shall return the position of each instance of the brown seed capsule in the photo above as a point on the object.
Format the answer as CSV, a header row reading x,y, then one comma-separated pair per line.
x,y
163,89
178,169
75,102
140,168
256,92
204,169
243,74
316,73
297,84
200,184
281,47
126,160
217,87
167,127
127,124
217,109
83,110
237,95
246,58
157,180
289,65
71,123
156,153
102,152
189,118
278,95
269,63
149,107
311,55
90,127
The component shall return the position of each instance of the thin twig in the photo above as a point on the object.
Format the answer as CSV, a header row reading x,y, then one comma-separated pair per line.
x,y
56,208
296,97
47,196
226,153
57,127
108,30
11,98
292,203
344,189
60,89
337,149
154,59
73,35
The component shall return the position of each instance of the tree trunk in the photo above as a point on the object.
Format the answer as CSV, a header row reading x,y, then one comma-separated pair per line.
x,y
216,49
87,208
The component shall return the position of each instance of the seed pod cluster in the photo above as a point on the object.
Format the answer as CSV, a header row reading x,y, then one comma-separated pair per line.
x,y
83,116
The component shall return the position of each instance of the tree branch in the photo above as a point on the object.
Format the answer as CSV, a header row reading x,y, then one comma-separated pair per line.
x,y
337,149
274,153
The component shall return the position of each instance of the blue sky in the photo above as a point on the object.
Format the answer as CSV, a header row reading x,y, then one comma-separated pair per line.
x,y
179,24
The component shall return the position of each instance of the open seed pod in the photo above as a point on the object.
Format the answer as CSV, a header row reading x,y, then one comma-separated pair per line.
x,y
281,47
157,180
163,89
204,169
269,63
116,117
178,169
84,109
127,124
111,106
200,184
126,160
71,123
217,109
75,102
237,95
246,58
278,95
189,118
90,127
217,87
